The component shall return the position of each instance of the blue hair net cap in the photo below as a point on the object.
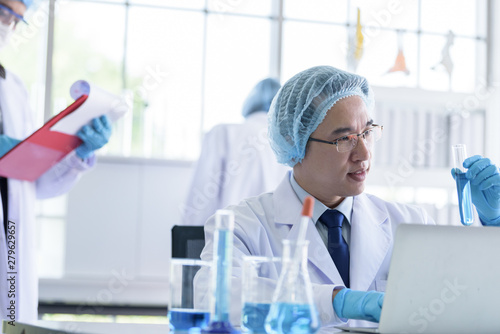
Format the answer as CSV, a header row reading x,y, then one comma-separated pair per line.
x,y
261,96
301,105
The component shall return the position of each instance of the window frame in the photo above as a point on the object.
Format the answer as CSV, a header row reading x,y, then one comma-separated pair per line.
x,y
277,19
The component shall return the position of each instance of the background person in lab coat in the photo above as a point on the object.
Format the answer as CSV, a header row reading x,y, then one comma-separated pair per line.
x,y
320,125
236,160
19,294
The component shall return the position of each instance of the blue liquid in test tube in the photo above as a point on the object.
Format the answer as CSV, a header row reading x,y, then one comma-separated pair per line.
x,y
222,293
463,186
464,199
223,243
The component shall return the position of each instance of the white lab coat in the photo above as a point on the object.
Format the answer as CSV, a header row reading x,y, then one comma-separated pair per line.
x,y
261,223
236,162
19,123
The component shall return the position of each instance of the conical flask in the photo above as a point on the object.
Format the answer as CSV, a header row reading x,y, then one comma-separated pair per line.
x,y
293,309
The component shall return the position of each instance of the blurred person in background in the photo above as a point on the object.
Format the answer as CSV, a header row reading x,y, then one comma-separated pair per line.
x,y
236,160
18,277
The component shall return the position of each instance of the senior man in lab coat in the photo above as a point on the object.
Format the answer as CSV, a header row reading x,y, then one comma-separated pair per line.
x,y
320,124
19,288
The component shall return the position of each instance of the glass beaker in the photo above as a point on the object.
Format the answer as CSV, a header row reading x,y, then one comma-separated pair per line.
x,y
293,309
463,185
185,311
258,283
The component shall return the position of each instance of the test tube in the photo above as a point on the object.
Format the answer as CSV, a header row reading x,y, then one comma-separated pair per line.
x,y
222,264
463,185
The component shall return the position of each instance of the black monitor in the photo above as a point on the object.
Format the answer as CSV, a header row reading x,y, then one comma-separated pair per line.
x,y
187,241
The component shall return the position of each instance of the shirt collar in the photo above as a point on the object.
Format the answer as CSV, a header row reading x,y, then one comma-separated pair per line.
x,y
345,207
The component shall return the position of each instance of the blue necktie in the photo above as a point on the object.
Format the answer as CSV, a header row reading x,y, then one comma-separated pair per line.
x,y
337,246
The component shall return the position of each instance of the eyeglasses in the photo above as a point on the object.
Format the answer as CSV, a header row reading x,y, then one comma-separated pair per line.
x,y
349,142
8,17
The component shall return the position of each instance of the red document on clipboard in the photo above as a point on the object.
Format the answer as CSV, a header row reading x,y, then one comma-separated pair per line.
x,y
32,157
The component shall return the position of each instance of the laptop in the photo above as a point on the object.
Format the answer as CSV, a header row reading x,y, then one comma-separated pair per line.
x,y
442,279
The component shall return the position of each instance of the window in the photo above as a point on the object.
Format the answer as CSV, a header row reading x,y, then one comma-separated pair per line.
x,y
419,28
188,65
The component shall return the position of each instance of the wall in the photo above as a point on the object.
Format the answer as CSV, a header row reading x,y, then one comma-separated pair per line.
x,y
118,233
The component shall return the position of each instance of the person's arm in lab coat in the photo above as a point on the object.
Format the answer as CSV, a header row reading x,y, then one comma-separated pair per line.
x,y
59,178
62,176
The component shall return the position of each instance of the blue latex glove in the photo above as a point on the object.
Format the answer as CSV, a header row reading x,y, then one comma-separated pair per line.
x,y
94,136
6,144
362,305
485,188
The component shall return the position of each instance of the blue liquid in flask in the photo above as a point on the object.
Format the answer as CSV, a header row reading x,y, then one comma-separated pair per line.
x,y
291,318
254,317
464,199
184,320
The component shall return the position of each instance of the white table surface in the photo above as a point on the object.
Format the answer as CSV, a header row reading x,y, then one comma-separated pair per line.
x,y
66,327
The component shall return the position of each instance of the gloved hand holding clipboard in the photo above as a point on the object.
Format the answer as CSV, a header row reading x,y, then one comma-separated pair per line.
x,y
32,157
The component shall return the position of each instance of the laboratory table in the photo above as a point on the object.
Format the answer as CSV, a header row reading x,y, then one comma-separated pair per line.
x,y
66,327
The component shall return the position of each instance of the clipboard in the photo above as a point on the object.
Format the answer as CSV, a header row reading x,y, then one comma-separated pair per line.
x,y
32,157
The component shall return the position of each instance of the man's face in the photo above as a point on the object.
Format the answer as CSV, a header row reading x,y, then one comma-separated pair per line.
x,y
330,175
